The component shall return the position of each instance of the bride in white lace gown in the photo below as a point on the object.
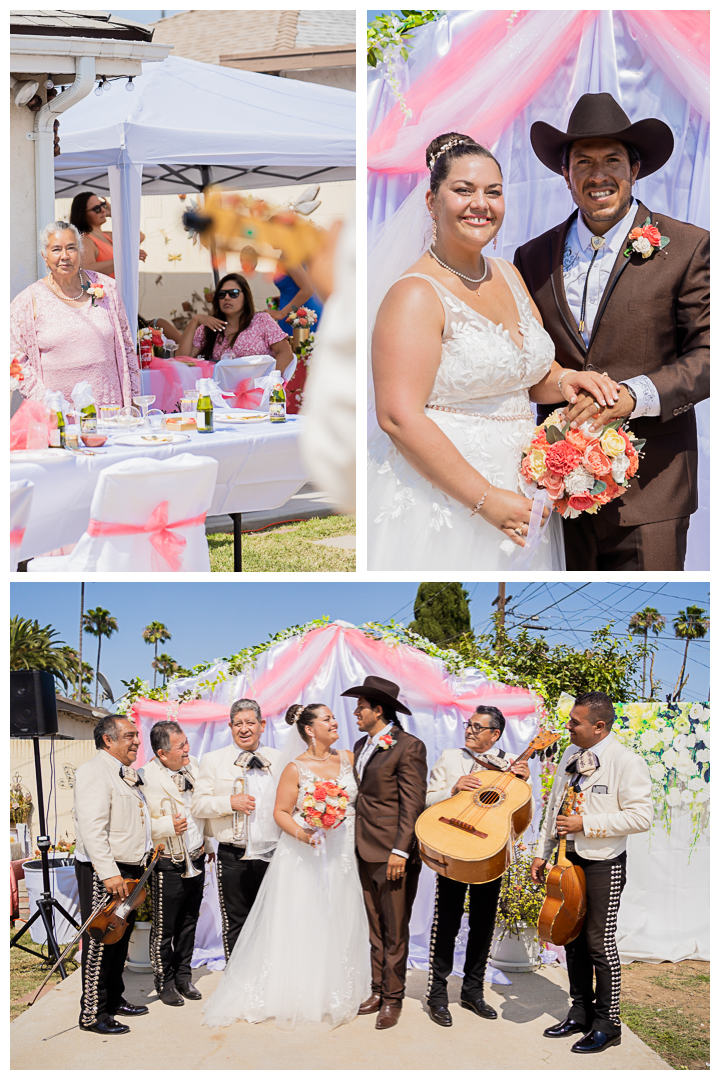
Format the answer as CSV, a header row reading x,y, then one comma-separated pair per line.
x,y
304,953
459,354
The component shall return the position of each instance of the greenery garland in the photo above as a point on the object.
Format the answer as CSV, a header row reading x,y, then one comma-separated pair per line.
x,y
388,44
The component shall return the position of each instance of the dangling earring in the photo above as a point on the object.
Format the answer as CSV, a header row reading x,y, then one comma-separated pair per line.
x,y
495,242
434,237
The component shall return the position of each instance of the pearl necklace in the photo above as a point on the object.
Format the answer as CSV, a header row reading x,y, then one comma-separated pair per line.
x,y
473,281
316,758
62,295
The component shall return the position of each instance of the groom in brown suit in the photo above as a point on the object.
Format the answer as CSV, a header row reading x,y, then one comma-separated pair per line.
x,y
391,773
642,317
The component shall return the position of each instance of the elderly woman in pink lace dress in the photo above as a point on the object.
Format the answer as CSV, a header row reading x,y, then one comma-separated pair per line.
x,y
63,335
235,328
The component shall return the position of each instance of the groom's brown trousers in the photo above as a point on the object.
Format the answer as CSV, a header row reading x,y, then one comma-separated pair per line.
x,y
388,905
593,543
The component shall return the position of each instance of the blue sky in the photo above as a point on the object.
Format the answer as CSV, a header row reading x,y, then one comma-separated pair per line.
x,y
209,620
146,16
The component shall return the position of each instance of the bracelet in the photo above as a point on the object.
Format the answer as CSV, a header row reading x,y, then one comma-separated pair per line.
x,y
296,833
478,505
563,373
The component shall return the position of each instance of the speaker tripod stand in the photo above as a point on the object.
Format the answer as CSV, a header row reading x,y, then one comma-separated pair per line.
x,y
47,903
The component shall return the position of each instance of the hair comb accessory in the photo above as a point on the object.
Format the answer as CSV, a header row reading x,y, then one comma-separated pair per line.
x,y
445,146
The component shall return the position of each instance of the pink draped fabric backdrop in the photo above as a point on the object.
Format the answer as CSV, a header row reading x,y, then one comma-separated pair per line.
x,y
492,74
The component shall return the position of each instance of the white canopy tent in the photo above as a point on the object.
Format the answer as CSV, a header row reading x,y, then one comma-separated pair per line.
x,y
189,124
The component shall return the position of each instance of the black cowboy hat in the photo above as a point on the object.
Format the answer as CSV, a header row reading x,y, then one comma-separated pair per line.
x,y
598,116
378,690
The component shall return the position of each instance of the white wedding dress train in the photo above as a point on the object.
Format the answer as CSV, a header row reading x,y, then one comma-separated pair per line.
x,y
304,953
480,400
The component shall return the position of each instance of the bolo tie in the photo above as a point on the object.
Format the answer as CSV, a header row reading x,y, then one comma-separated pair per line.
x,y
596,242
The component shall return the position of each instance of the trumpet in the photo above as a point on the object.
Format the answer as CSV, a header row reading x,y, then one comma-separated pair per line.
x,y
239,832
176,845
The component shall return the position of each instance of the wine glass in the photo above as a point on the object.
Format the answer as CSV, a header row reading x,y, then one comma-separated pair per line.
x,y
156,420
108,413
144,401
129,418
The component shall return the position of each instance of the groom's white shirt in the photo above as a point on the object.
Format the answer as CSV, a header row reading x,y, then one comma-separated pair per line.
x,y
577,258
365,755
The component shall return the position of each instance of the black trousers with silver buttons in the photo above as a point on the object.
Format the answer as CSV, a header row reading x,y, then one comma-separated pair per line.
x,y
449,907
176,907
239,882
594,952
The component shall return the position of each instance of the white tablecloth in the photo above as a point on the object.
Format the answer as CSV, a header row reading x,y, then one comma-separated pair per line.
x,y
63,886
259,468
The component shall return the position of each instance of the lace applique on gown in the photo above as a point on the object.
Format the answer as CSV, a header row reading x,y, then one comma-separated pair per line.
x,y
304,953
485,377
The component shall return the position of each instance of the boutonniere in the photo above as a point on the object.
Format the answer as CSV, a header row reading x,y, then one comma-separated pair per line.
x,y
644,240
95,292
386,741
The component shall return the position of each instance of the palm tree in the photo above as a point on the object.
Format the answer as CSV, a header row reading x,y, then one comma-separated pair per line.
x,y
166,666
35,648
691,624
155,634
640,623
100,623
73,661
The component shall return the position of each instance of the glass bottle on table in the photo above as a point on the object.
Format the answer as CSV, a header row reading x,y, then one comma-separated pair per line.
x,y
88,418
57,430
277,404
204,414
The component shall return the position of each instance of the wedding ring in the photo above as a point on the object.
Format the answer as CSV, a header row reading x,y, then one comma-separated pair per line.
x,y
518,531
596,405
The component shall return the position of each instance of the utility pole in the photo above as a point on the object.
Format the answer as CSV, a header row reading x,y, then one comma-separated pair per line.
x,y
500,601
78,693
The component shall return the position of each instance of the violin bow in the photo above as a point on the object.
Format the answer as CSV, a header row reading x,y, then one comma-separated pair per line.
x,y
101,904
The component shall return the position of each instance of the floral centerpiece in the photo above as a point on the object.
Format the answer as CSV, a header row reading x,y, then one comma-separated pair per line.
x,y
581,470
302,318
324,807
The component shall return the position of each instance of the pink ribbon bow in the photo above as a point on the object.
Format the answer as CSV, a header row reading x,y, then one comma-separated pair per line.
x,y
165,542
245,398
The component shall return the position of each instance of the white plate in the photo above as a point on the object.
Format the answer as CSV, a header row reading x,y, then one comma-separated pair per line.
x,y
241,418
160,439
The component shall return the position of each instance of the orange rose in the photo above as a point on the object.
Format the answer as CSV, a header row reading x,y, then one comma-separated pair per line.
x,y
553,484
652,234
635,234
320,792
595,461
540,440
611,491
576,439
581,502
634,462
328,820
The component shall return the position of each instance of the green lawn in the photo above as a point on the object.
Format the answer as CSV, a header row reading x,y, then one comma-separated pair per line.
x,y
675,1037
27,973
287,548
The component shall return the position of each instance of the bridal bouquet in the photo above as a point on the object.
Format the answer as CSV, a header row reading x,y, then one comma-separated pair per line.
x,y
324,807
580,470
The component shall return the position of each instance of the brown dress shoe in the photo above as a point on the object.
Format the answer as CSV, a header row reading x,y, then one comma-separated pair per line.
x,y
388,1016
370,1006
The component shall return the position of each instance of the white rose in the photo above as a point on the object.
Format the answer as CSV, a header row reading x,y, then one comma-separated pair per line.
x,y
642,245
619,468
320,807
695,712
696,784
702,755
685,765
702,796
704,734
657,771
686,797
579,481
690,739
670,758
649,740
679,742
683,725
666,734
673,797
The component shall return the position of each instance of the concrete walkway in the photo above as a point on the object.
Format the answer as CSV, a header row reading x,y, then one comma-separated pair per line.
x,y
47,1036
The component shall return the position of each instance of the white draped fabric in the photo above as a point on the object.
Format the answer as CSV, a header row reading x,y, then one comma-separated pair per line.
x,y
259,468
615,53
664,914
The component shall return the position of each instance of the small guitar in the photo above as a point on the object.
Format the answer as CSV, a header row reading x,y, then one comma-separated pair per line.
x,y
470,836
563,911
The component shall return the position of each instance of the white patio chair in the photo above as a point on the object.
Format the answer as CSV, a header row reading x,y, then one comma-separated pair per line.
x,y
146,515
21,494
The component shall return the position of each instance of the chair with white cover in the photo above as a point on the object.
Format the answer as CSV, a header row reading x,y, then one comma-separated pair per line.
x,y
21,495
249,373
146,515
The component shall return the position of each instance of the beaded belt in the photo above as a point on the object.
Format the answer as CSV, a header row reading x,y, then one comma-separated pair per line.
x,y
484,416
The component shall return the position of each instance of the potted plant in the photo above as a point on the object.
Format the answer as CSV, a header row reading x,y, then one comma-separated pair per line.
x,y
516,946
138,958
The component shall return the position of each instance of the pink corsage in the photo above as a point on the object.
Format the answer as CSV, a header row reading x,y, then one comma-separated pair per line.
x,y
386,741
644,240
95,292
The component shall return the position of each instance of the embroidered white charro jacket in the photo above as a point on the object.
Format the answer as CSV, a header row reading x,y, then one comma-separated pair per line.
x,y
624,805
159,785
447,770
110,817
213,789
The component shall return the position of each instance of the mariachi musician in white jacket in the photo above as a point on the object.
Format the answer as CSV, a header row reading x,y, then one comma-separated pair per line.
x,y
240,821
169,782
112,836
614,799
453,772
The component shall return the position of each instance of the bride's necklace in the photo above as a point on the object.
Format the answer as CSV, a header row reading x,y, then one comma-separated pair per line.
x,y
316,758
58,292
472,280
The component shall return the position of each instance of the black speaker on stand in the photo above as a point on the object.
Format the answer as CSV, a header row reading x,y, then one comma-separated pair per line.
x,y
33,714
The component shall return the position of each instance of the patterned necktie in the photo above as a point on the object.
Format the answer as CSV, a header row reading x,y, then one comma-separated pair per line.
x,y
583,763
129,776
182,780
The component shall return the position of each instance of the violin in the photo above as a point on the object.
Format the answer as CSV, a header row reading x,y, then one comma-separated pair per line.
x,y
563,911
110,922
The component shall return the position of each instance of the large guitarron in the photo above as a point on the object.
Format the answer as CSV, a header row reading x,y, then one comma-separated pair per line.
x,y
470,837
563,911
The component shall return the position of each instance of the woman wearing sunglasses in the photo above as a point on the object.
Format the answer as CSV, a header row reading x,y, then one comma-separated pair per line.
x,y
88,214
235,328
